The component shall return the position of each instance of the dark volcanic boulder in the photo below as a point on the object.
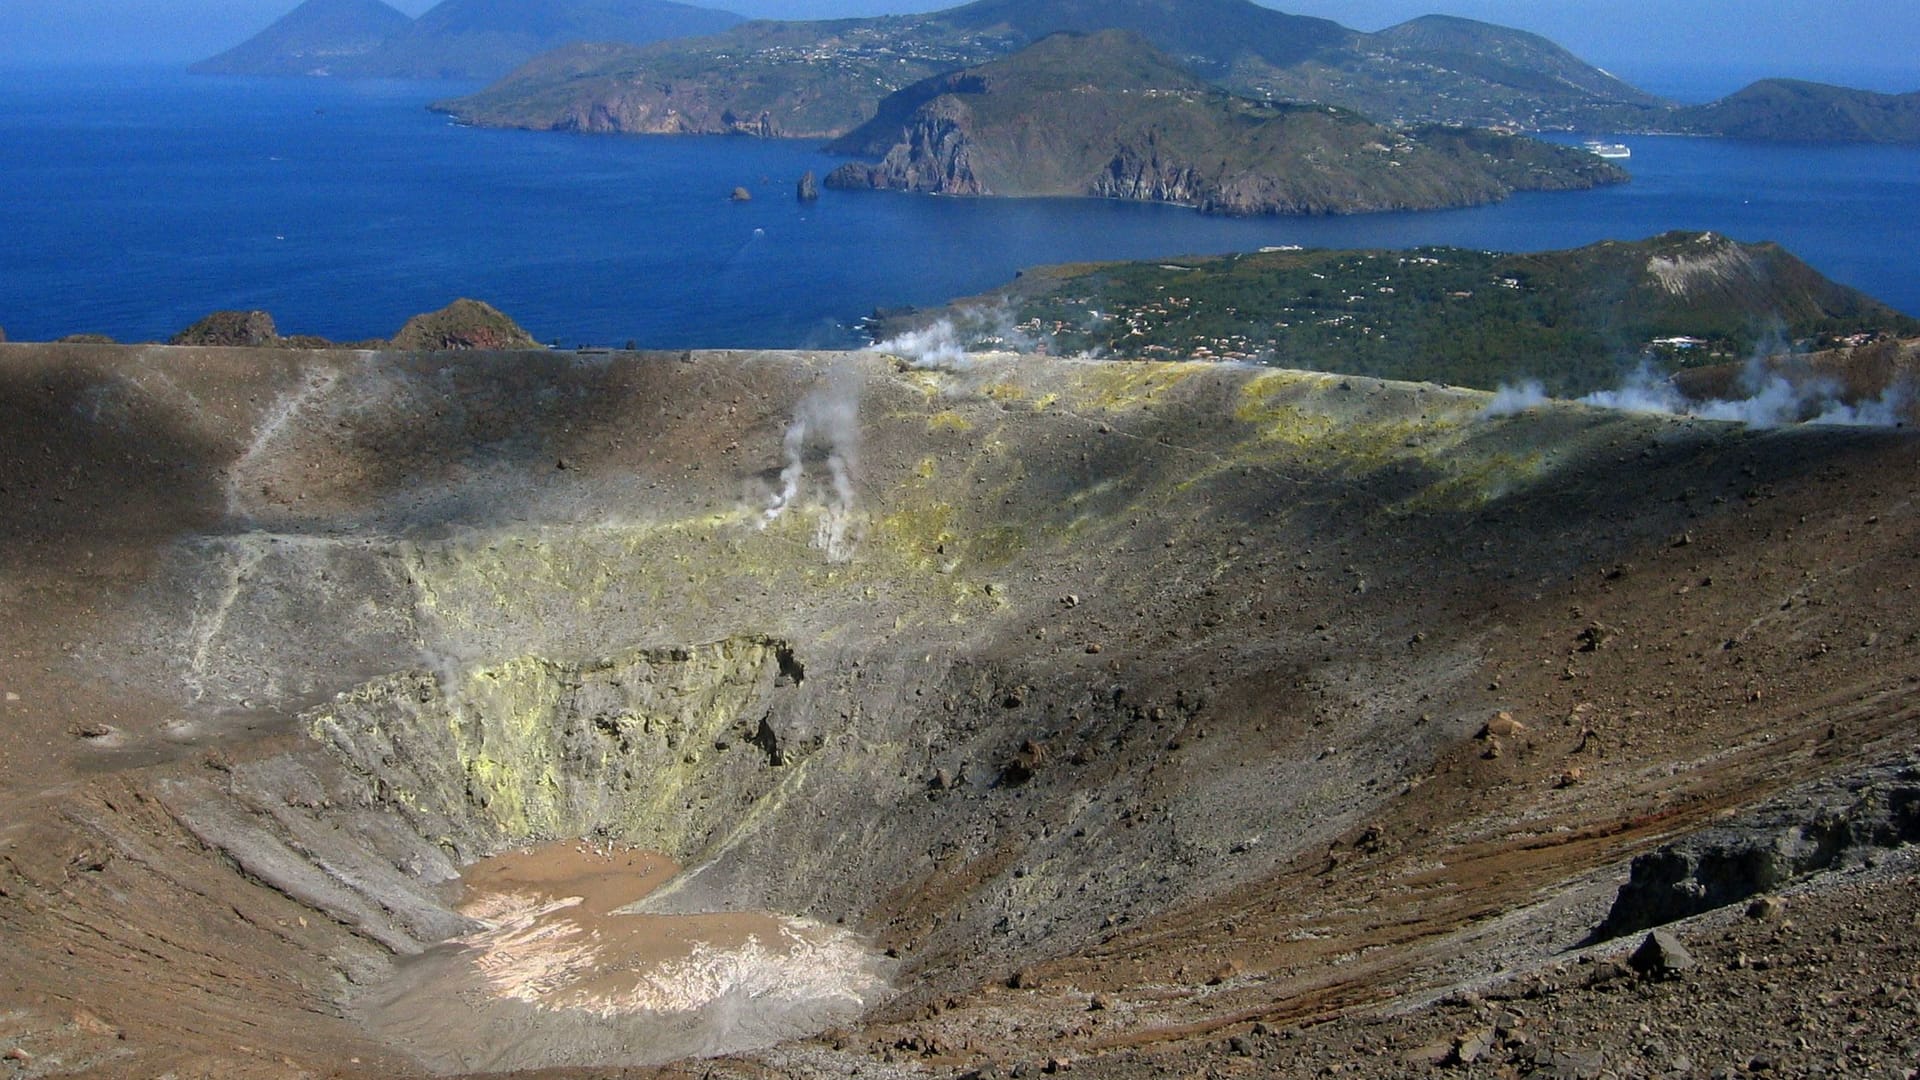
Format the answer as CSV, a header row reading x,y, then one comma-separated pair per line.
x,y
463,324
240,328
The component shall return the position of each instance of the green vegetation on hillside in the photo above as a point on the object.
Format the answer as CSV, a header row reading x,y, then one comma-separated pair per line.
x,y
1791,110
821,79
1575,320
1108,115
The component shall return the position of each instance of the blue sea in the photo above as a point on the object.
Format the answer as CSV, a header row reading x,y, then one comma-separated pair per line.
x,y
134,201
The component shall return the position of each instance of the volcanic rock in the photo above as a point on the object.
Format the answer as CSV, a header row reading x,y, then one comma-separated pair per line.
x,y
1502,726
1660,955
230,328
463,324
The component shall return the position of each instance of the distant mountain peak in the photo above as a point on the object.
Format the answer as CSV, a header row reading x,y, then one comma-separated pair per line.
x,y
456,39
314,38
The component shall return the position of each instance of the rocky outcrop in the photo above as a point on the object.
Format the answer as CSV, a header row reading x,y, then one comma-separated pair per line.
x,y
936,156
1816,827
536,749
1140,173
808,189
463,324
233,328
665,110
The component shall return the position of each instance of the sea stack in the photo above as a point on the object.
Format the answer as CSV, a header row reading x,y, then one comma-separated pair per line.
x,y
809,188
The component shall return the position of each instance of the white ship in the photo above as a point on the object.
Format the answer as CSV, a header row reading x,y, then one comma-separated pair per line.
x,y
1609,150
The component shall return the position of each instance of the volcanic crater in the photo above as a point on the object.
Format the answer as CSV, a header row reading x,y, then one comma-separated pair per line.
x,y
1052,714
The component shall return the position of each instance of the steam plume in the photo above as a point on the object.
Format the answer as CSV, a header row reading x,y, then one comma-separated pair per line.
x,y
827,420
1770,399
945,343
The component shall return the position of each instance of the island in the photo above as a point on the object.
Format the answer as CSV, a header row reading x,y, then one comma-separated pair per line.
x,y
1108,115
822,79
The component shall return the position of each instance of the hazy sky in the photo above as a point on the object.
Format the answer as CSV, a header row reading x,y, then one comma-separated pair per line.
x,y
1659,44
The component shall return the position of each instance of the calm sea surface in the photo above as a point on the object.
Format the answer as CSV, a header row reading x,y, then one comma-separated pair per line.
x,y
132,202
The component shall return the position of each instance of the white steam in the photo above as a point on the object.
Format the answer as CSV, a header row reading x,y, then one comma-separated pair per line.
x,y
1890,409
826,422
1516,399
936,346
1770,399
946,343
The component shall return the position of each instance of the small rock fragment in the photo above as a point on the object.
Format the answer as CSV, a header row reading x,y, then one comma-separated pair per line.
x,y
1438,1052
1660,955
1222,973
1502,726
1473,1045
90,1024
1595,636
